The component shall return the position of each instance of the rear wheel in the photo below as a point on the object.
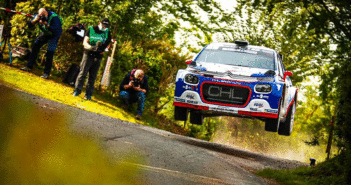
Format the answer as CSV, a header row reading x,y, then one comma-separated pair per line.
x,y
196,118
272,124
180,113
286,127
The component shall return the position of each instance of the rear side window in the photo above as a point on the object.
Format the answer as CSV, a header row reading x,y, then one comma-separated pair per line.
x,y
281,66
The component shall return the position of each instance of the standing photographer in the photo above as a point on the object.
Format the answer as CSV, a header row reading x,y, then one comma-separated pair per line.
x,y
96,39
133,89
50,25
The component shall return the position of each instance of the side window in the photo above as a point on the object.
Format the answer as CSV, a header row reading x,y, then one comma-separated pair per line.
x,y
279,63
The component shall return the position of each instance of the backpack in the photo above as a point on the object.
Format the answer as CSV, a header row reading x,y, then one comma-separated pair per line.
x,y
77,31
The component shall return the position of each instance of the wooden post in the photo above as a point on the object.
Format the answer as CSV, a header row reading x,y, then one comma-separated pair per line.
x,y
114,49
107,71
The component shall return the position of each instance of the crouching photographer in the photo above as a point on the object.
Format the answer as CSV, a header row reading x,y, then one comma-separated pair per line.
x,y
133,89
50,25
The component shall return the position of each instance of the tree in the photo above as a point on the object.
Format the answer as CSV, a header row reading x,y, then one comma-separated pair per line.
x,y
144,31
328,20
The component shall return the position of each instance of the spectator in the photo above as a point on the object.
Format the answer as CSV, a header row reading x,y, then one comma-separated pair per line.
x,y
50,25
96,39
133,88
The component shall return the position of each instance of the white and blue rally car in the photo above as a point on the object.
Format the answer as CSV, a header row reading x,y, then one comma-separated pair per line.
x,y
237,79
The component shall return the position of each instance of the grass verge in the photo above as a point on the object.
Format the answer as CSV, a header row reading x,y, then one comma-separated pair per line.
x,y
52,90
326,173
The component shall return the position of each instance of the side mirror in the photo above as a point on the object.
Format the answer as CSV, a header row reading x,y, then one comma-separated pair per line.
x,y
188,61
287,73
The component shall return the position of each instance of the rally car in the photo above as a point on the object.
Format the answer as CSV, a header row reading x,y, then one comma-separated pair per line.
x,y
237,79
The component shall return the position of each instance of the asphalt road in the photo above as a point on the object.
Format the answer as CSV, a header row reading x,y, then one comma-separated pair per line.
x,y
167,158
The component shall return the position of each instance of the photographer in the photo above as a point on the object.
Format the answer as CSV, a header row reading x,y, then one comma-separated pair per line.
x,y
50,25
133,89
96,39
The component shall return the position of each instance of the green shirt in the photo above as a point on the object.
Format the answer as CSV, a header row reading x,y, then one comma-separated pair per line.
x,y
94,37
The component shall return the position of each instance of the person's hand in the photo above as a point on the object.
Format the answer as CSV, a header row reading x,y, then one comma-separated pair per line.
x,y
43,22
130,83
94,48
36,18
136,88
87,47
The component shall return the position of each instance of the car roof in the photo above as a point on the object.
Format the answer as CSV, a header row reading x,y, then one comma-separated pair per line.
x,y
217,45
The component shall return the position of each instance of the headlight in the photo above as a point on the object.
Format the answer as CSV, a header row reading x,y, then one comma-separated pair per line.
x,y
263,88
192,79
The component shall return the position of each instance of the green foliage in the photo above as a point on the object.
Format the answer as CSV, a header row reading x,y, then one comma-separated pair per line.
x,y
314,114
284,29
143,29
329,172
159,59
326,22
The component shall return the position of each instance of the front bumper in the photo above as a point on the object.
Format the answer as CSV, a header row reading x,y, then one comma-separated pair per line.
x,y
255,105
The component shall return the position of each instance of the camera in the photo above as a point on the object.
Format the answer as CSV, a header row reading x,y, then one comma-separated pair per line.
x,y
43,18
136,82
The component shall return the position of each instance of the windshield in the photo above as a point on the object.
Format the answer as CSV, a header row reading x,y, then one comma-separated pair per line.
x,y
238,57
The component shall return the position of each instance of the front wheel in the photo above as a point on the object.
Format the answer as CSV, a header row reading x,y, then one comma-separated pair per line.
x,y
180,113
272,124
196,118
286,127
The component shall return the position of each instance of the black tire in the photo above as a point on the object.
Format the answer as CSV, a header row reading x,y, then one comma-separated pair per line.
x,y
196,118
272,124
180,113
285,128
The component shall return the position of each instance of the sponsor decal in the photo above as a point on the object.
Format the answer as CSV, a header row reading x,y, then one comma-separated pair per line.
x,y
240,50
271,111
223,109
192,102
258,105
222,92
188,87
225,81
186,101
262,96
253,109
231,71
179,100
190,96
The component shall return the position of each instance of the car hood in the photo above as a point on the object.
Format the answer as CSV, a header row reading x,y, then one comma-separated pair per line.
x,y
223,68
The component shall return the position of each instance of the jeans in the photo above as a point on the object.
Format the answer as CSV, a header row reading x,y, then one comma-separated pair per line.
x,y
134,97
39,42
90,64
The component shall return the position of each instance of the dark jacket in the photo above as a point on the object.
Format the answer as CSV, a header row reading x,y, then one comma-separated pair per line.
x,y
55,25
127,79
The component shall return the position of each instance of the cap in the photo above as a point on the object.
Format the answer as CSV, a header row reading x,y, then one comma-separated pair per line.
x,y
105,22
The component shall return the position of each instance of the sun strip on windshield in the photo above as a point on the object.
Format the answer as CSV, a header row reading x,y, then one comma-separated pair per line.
x,y
240,50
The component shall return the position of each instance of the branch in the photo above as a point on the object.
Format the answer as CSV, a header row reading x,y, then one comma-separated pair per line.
x,y
335,21
322,27
160,107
